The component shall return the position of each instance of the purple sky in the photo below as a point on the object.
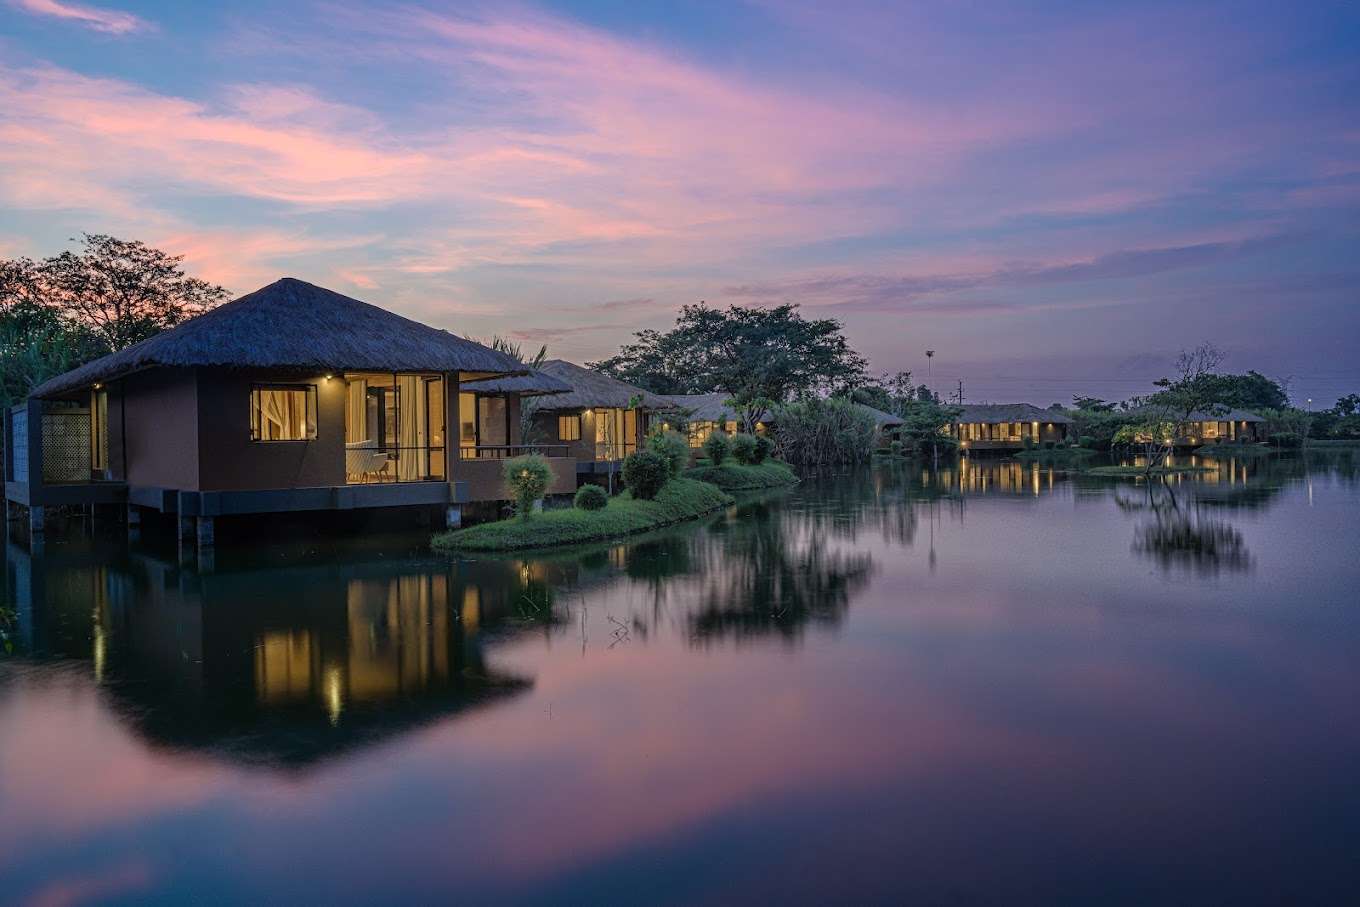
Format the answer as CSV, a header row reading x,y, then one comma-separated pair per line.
x,y
1054,196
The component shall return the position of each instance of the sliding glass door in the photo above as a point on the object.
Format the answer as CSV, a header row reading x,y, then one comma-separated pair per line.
x,y
394,428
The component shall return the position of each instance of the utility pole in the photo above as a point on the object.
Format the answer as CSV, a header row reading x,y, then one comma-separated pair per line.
x,y
960,392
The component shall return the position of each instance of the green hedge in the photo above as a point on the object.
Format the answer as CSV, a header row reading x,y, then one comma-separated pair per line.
x,y
736,477
680,499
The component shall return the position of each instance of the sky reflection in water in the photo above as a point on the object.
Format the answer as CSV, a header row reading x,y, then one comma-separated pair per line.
x,y
1004,683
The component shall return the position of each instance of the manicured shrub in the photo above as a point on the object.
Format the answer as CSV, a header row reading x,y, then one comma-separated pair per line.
x,y
1088,442
743,448
716,446
645,473
1049,445
1027,443
527,479
1287,439
591,497
896,448
674,447
764,449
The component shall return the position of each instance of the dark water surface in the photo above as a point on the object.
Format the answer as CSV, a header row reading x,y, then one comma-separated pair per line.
x,y
1005,685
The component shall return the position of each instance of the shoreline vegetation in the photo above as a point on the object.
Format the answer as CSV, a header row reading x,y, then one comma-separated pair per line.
x,y
744,477
680,499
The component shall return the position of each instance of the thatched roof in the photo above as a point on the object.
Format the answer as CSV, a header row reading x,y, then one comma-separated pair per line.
x,y
1010,412
1224,414
706,407
291,324
590,389
881,419
534,384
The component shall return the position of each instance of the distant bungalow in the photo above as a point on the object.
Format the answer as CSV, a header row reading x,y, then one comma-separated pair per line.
x,y
1007,426
708,413
292,398
598,419
1217,427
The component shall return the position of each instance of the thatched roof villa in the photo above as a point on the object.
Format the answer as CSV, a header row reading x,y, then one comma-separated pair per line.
x,y
1007,426
599,419
293,397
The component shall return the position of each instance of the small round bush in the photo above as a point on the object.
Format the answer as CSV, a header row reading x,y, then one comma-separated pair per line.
x,y
527,478
1027,443
764,449
717,446
591,497
896,448
673,446
1088,442
645,473
743,448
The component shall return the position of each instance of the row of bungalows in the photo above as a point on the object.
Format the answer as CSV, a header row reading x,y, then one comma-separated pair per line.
x,y
297,398
1012,426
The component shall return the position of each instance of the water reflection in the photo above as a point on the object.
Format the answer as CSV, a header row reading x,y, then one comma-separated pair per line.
x,y
277,666
777,703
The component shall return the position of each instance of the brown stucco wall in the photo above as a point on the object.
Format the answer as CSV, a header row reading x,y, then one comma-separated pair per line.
x,y
162,428
583,449
230,461
486,482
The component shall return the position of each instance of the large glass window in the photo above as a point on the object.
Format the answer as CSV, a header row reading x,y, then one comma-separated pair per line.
x,y
283,412
615,433
394,428
99,430
569,428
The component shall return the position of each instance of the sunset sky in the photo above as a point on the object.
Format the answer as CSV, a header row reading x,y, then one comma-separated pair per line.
x,y
1054,196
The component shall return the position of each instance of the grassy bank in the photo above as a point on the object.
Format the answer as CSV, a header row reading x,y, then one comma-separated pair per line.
x,y
680,499
737,477
1342,443
1135,471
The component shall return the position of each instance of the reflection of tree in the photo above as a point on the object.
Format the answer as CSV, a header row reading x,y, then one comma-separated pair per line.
x,y
1185,538
778,574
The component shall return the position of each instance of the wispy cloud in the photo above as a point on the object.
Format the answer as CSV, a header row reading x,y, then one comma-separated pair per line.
x,y
900,292
109,21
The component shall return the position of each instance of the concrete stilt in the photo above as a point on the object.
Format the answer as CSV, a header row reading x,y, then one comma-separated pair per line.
x,y
453,517
206,538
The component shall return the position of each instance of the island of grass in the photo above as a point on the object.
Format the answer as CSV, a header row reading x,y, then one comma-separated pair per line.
x,y
1236,450
1138,471
744,476
680,499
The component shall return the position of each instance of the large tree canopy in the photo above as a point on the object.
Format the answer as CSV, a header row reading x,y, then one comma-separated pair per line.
x,y
124,290
759,356
60,312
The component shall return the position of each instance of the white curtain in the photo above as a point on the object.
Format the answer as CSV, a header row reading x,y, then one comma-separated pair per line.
x,y
356,411
412,429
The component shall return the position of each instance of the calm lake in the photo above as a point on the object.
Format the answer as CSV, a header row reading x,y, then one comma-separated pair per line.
x,y
995,684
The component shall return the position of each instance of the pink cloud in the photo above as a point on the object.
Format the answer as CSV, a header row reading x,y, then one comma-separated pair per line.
x,y
113,22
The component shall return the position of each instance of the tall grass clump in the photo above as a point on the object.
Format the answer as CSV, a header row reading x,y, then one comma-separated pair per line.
x,y
824,432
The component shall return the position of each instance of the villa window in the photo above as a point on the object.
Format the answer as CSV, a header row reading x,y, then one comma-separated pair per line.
x,y
569,428
99,430
283,412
